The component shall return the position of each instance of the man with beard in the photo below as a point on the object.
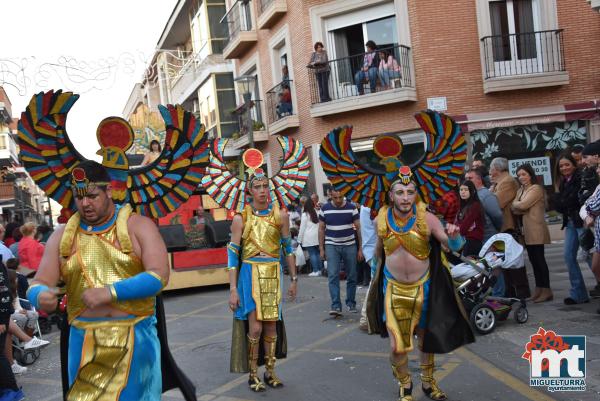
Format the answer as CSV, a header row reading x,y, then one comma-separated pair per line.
x,y
257,235
113,263
413,290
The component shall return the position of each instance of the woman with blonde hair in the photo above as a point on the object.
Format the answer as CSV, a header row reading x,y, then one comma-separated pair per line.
x,y
30,251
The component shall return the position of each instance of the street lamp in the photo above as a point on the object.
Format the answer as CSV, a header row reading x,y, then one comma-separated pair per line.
x,y
245,86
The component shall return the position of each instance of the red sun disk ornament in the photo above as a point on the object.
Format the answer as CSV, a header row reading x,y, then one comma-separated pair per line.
x,y
387,146
78,174
115,131
253,158
405,170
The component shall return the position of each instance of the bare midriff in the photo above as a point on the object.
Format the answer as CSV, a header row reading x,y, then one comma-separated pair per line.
x,y
405,267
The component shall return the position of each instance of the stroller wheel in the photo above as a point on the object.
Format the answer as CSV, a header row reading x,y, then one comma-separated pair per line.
x,y
521,315
483,318
30,356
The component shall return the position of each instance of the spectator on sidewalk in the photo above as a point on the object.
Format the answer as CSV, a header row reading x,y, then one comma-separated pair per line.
x,y
8,385
531,206
505,187
589,183
30,251
492,216
470,219
479,163
577,154
308,237
368,232
338,220
566,202
17,236
315,199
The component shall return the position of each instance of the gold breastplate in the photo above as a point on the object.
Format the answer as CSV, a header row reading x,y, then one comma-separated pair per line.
x,y
415,240
261,233
92,260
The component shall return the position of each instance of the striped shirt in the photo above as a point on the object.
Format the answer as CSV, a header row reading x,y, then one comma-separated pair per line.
x,y
339,223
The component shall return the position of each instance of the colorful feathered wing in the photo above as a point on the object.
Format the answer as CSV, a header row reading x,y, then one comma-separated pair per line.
x,y
229,191
153,190
46,151
435,173
443,164
347,175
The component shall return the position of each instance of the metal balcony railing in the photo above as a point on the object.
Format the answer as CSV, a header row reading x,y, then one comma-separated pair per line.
x,y
279,101
257,120
238,18
523,53
342,78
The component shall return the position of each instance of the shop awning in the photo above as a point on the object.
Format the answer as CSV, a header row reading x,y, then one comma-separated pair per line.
x,y
538,115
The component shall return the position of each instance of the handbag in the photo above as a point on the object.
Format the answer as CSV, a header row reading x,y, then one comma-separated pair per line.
x,y
300,258
586,239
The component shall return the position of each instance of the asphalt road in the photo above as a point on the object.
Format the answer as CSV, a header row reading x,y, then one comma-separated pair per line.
x,y
331,359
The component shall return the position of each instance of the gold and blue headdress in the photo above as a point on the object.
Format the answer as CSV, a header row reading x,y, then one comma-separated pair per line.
x,y
81,184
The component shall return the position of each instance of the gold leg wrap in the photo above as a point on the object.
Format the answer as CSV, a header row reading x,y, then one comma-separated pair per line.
x,y
433,392
270,377
253,381
400,371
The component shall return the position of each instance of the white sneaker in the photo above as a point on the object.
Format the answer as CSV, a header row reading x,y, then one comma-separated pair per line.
x,y
18,369
314,274
35,343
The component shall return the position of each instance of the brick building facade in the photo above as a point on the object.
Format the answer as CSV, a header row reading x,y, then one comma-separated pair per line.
x,y
519,74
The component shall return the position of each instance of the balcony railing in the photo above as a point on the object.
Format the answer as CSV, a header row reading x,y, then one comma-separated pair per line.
x,y
523,54
257,120
279,101
344,77
238,18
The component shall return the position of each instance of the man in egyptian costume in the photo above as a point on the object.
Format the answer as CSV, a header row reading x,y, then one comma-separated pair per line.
x,y
412,291
110,257
259,234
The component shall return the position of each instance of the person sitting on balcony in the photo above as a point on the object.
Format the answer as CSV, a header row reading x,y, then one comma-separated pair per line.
x,y
369,69
284,105
389,69
155,150
320,65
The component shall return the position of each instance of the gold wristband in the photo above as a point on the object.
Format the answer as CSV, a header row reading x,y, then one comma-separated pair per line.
x,y
113,293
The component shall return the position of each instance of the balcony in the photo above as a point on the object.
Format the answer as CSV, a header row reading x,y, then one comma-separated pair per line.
x,y
595,4
280,111
242,35
7,190
269,12
339,86
259,131
524,60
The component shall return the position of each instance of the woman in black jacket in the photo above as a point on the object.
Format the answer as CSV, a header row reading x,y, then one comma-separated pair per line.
x,y
567,203
8,384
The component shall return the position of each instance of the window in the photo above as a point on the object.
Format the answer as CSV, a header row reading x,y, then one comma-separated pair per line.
x,y
200,34
348,33
513,24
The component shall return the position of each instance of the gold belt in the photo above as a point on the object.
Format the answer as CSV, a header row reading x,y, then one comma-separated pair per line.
x,y
266,289
403,305
105,359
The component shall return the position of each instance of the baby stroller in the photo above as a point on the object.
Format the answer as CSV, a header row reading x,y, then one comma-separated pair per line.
x,y
22,355
476,279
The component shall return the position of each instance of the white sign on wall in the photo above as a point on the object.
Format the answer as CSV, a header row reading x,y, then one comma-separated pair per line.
x,y
541,166
437,103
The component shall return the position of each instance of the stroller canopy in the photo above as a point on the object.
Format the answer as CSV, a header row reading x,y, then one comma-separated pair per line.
x,y
513,251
